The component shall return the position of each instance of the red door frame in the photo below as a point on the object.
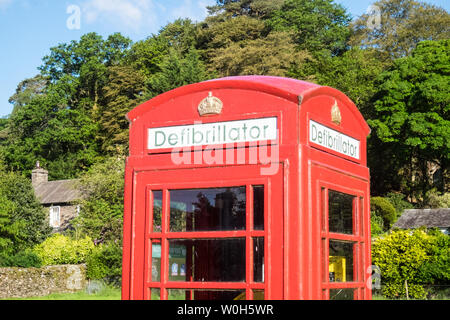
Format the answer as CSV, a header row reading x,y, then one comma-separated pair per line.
x,y
197,178
324,179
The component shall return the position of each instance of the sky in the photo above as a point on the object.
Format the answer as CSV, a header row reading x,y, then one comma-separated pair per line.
x,y
29,28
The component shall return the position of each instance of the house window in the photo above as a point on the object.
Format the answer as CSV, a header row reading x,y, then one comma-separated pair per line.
x,y
55,217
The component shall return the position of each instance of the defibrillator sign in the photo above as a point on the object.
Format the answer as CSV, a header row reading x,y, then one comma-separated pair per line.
x,y
333,140
215,133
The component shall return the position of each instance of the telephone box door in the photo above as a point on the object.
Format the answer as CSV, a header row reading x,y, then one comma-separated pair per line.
x,y
208,233
340,201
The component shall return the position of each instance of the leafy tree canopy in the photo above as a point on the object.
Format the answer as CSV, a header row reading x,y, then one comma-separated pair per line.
x,y
403,24
412,111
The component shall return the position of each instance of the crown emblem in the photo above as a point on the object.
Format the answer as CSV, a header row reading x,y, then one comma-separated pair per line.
x,y
336,117
210,105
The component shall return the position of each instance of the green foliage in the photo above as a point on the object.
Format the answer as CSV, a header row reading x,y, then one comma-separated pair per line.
x,y
354,72
411,122
437,200
404,24
101,212
436,270
400,256
23,259
252,8
399,202
318,25
105,263
177,71
22,220
49,130
244,45
122,94
59,249
383,213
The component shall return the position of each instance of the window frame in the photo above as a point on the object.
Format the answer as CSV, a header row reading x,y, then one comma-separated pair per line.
x,y
357,238
52,218
165,235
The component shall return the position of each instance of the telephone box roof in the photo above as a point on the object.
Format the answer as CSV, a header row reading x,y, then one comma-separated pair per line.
x,y
294,90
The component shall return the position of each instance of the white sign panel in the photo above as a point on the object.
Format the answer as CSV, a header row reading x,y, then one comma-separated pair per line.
x,y
250,130
333,140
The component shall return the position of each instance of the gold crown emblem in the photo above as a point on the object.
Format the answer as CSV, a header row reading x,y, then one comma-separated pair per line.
x,y
210,105
336,117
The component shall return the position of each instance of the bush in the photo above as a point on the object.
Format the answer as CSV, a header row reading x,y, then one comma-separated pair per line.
x,y
412,258
105,263
382,208
24,259
59,249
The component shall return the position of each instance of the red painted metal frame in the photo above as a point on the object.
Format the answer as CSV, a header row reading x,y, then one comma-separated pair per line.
x,y
296,252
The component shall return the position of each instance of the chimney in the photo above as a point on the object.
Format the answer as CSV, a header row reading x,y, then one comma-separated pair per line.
x,y
38,175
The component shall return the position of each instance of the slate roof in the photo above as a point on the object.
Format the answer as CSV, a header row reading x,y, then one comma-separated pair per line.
x,y
431,218
60,191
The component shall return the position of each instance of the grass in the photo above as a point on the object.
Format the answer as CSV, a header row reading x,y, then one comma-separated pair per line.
x,y
107,293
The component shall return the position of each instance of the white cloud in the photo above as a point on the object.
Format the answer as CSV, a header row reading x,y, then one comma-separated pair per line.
x,y
131,14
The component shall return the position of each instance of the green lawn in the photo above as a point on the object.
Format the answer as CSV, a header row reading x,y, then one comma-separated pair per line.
x,y
107,293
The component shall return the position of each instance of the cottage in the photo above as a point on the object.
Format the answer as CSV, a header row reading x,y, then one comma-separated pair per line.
x,y
58,197
430,218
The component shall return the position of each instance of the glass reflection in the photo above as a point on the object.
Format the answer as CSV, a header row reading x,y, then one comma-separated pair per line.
x,y
340,212
216,209
218,260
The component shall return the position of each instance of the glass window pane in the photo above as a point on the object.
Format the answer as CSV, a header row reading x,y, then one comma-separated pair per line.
x,y
342,294
155,294
340,212
341,261
202,260
258,259
156,262
157,210
258,294
217,209
183,294
258,207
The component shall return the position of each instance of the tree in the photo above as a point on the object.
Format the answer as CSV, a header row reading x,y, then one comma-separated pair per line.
x,y
177,71
404,24
411,117
243,45
251,8
317,25
123,92
49,130
101,212
27,90
354,72
87,61
23,222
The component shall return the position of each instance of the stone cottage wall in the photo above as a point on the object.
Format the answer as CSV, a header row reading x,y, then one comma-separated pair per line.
x,y
31,282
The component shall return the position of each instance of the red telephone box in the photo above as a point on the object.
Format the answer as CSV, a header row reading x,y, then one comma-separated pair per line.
x,y
248,187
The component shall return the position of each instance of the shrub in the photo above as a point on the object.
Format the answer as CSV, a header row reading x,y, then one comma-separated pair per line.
x,y
23,259
59,249
382,208
105,263
411,258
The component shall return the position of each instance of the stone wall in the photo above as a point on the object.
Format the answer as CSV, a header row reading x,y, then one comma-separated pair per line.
x,y
31,282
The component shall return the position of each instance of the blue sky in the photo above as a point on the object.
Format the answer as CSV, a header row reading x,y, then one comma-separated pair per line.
x,y
28,28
